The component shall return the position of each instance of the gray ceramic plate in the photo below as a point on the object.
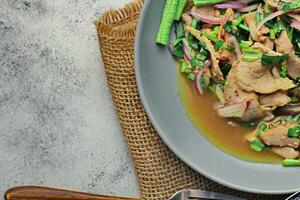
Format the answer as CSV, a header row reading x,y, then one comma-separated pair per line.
x,y
156,77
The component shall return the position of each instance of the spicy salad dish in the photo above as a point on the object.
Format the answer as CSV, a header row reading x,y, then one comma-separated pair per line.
x,y
239,73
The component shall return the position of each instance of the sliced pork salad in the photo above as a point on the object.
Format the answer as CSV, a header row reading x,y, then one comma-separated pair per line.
x,y
246,54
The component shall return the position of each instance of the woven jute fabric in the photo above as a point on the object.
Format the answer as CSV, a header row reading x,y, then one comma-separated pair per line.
x,y
160,173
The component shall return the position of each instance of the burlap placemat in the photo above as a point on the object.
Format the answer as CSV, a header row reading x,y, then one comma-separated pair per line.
x,y
160,173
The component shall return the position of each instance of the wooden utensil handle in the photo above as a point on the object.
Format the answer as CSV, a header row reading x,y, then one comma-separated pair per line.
x,y
44,193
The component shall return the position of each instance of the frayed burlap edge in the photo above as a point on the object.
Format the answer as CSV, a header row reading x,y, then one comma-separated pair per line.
x,y
160,173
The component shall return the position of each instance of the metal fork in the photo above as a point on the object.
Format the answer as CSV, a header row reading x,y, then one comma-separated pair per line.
x,y
188,194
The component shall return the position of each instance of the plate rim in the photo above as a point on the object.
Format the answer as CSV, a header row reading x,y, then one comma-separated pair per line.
x,y
160,132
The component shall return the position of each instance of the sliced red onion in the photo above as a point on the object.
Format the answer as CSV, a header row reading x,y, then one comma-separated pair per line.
x,y
197,81
231,4
245,1
209,20
295,24
187,56
295,16
235,110
295,11
269,17
186,51
249,8
171,49
232,40
259,9
207,63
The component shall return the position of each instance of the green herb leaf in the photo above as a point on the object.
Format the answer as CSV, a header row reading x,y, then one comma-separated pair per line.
x,y
257,145
177,42
273,60
191,76
272,34
228,27
229,47
178,51
288,6
179,30
294,131
197,63
219,45
259,17
283,71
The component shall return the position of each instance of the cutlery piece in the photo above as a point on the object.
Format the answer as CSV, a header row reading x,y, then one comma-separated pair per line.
x,y
295,196
188,194
44,193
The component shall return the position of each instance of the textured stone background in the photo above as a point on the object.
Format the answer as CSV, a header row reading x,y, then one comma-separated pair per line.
x,y
57,123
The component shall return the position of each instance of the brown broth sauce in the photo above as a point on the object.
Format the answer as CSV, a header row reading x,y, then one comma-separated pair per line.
x,y
229,139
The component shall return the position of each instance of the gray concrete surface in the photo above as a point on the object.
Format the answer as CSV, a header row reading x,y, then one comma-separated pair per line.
x,y
57,123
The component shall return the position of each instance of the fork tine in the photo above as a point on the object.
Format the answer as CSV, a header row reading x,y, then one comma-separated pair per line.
x,y
211,195
180,195
187,194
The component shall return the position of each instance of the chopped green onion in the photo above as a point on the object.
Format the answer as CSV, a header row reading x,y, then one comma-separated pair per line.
x,y
203,82
229,47
219,45
294,131
273,60
229,27
244,27
211,36
257,145
191,76
179,30
202,44
206,2
197,63
168,16
294,99
293,119
180,8
238,20
245,44
277,122
249,50
262,127
272,34
177,42
259,17
212,87
216,30
283,71
191,39
251,57
267,9
178,52
278,27
185,67
291,162
201,57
